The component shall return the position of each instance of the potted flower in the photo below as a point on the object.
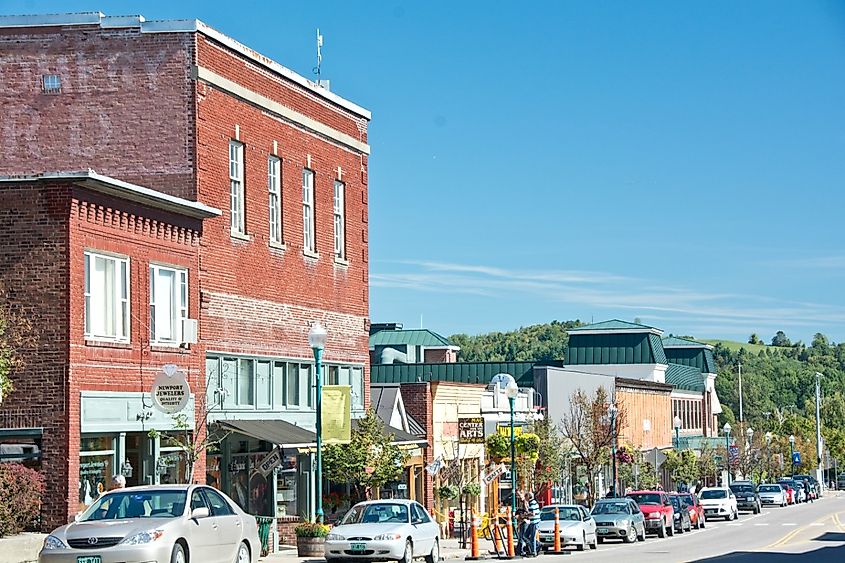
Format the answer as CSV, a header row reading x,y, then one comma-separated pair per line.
x,y
528,445
472,490
497,446
311,539
448,492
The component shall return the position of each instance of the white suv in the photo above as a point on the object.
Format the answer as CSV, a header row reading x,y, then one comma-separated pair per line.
x,y
718,502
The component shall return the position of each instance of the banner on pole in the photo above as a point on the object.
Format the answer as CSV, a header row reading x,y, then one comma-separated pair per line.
x,y
337,414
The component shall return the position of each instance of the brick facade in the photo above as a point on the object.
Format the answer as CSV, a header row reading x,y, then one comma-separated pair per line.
x,y
419,403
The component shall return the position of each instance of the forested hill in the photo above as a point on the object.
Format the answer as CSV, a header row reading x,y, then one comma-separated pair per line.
x,y
778,378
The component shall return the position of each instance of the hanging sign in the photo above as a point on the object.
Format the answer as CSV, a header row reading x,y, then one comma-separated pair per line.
x,y
491,475
270,462
170,390
471,430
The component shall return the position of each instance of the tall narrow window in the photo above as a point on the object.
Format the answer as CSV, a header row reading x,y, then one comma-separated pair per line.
x,y
106,297
274,188
308,242
339,219
236,186
168,303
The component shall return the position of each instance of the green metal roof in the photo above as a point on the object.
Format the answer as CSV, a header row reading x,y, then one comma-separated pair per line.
x,y
624,348
411,337
458,372
675,342
687,378
699,358
614,324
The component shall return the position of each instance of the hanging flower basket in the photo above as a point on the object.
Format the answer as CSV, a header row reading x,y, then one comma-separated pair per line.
x,y
448,492
497,446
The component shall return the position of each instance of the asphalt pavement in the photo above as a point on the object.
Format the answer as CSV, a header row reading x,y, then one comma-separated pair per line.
x,y
811,533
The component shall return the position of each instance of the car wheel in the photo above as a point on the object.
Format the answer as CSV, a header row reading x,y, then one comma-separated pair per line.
x,y
630,536
661,531
243,554
434,556
689,525
671,529
408,556
641,535
595,543
581,545
178,554
681,527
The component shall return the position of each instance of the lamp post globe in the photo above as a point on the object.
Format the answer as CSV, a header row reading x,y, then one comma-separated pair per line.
x,y
317,341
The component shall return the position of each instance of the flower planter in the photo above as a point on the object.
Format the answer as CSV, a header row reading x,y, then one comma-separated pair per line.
x,y
310,547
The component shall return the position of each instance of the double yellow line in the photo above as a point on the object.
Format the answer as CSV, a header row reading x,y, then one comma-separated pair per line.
x,y
791,535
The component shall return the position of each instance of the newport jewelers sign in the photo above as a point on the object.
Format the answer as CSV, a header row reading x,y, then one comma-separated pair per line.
x,y
471,430
170,390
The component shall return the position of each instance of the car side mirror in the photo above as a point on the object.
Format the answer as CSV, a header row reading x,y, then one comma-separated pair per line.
x,y
198,513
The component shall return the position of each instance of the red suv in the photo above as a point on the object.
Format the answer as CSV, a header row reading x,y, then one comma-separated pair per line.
x,y
696,511
657,510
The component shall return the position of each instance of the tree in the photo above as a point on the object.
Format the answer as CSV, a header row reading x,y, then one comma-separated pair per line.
x,y
587,427
541,342
16,334
552,451
780,339
754,339
368,461
682,466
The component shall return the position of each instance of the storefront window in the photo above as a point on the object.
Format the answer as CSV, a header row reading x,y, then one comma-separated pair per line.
x,y
260,489
212,471
25,450
286,502
96,467
239,480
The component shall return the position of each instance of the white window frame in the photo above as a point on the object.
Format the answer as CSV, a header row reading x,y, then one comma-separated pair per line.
x,y
120,299
274,189
178,305
237,221
309,235
339,219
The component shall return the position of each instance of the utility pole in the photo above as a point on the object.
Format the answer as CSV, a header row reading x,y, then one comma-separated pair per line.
x,y
740,391
818,428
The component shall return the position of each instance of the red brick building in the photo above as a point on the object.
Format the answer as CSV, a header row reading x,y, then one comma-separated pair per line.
x,y
179,121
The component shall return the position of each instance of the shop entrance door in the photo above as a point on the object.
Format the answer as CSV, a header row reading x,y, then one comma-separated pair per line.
x,y
139,453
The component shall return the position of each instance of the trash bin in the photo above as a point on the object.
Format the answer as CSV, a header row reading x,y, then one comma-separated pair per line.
x,y
264,524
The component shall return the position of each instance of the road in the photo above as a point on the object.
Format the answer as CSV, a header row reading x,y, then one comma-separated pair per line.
x,y
812,532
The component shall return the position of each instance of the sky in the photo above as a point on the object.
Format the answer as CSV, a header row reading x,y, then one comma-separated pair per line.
x,y
680,163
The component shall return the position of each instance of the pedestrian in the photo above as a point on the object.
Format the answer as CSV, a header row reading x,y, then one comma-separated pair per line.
x,y
118,482
533,517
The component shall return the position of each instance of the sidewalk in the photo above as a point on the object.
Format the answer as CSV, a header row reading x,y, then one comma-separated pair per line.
x,y
449,550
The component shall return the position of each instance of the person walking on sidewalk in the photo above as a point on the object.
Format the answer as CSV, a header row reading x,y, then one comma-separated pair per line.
x,y
533,518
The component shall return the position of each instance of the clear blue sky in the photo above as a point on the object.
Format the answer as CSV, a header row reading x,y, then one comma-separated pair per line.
x,y
683,163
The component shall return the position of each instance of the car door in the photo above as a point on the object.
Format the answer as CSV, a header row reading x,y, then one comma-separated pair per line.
x,y
229,527
589,524
203,531
423,533
637,516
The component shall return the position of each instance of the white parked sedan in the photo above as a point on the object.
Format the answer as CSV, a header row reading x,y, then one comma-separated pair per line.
x,y
718,502
577,527
384,530
772,493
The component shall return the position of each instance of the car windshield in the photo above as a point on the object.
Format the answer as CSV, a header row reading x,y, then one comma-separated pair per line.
x,y
687,500
742,488
789,484
645,498
133,504
770,488
713,493
377,513
611,508
676,502
564,513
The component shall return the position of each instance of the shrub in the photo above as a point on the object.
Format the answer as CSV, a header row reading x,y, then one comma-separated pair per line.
x,y
448,492
311,530
472,489
498,446
21,490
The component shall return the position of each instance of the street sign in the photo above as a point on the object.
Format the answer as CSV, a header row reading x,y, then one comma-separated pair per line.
x,y
471,430
491,475
796,458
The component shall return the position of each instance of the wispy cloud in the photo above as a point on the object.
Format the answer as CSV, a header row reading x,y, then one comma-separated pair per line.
x,y
833,262
608,291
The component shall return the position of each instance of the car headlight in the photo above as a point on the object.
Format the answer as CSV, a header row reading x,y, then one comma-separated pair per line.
x,y
52,542
335,537
144,537
653,515
383,537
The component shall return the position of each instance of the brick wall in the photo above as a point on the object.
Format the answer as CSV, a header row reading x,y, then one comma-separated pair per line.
x,y
440,356
418,403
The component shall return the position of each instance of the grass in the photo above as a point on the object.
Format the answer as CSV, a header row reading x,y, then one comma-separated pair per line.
x,y
734,346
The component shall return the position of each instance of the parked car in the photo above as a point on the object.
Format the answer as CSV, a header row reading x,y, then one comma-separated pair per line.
x,y
577,527
719,502
814,491
696,511
681,519
840,481
788,486
157,523
619,518
772,493
394,530
747,497
657,511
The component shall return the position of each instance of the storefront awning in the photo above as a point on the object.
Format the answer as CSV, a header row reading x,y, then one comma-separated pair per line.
x,y
277,432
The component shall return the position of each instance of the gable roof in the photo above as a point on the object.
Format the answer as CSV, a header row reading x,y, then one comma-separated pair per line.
x,y
686,378
614,325
383,400
410,337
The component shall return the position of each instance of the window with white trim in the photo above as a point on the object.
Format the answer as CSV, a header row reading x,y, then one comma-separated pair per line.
x,y
106,289
236,187
339,219
168,303
274,188
308,242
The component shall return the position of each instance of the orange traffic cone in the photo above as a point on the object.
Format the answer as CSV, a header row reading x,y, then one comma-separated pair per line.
x,y
473,539
557,530
511,551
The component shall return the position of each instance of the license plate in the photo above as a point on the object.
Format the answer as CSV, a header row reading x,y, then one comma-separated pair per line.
x,y
89,559
357,546
602,530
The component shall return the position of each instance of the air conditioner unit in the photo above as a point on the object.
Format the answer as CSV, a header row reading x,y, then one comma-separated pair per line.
x,y
189,331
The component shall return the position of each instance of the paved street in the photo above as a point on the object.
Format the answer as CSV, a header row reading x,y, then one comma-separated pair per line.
x,y
810,532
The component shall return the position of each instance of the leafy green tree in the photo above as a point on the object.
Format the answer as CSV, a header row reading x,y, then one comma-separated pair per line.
x,y
754,339
780,339
682,466
16,335
541,342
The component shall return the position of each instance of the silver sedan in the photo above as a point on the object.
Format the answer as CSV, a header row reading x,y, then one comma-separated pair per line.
x,y
385,530
167,523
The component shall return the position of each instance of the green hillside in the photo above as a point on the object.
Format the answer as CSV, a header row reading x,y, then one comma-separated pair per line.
x,y
735,346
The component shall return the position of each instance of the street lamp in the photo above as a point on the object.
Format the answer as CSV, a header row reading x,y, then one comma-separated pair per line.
x,y
677,422
749,434
317,341
768,454
727,429
511,389
792,453
612,410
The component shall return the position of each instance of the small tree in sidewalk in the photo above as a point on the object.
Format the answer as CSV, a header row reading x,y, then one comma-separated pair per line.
x,y
16,334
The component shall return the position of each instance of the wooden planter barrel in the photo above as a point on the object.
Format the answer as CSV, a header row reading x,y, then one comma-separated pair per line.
x,y
310,547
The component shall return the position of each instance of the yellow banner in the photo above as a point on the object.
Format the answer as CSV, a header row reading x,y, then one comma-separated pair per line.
x,y
337,411
506,431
